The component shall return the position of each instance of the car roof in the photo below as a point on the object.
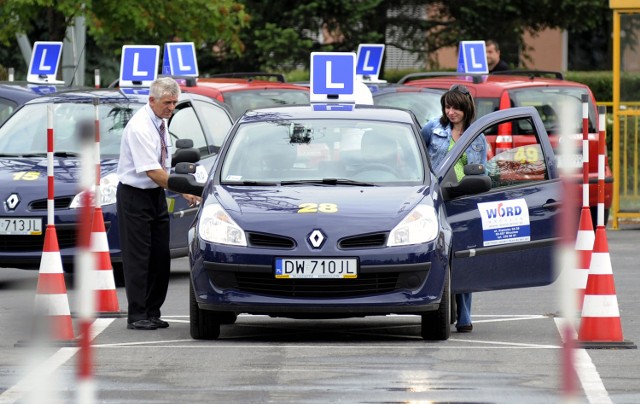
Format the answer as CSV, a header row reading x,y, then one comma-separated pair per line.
x,y
365,112
88,95
492,85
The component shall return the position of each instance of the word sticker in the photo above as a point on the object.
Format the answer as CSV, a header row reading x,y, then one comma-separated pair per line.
x,y
505,222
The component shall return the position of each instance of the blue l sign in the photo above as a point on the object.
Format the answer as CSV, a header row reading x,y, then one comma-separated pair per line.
x,y
45,60
472,57
332,76
139,65
369,59
180,59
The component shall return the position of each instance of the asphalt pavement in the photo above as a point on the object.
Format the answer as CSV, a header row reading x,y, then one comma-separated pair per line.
x,y
514,353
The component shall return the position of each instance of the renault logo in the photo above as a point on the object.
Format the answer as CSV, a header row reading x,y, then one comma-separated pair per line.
x,y
316,239
12,201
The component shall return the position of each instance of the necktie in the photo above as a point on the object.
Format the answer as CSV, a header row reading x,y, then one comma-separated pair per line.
x,y
163,145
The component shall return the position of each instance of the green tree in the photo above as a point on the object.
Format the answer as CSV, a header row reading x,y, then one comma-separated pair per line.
x,y
211,25
283,33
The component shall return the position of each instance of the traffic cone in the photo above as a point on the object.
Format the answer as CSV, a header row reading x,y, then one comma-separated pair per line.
x,y
52,321
600,326
107,298
584,248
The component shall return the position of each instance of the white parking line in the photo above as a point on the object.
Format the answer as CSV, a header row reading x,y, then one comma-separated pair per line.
x,y
589,377
34,383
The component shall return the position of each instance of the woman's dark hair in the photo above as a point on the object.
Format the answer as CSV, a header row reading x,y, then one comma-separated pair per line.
x,y
459,98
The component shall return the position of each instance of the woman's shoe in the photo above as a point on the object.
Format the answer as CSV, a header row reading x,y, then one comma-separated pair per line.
x,y
465,328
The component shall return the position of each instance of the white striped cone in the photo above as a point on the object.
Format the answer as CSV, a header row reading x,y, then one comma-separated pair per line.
x,y
51,303
107,298
600,322
584,248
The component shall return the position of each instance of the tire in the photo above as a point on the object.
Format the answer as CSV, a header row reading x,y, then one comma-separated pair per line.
x,y
204,324
436,325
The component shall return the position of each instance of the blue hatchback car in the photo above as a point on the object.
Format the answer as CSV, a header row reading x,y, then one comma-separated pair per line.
x,y
23,168
326,214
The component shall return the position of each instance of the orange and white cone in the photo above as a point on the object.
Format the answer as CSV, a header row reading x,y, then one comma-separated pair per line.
x,y
107,298
52,314
584,248
600,326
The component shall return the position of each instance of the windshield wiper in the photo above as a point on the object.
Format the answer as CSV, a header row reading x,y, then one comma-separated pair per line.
x,y
66,154
329,181
34,155
250,182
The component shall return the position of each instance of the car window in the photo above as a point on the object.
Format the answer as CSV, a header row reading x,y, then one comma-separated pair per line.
x,y
377,152
6,109
25,131
424,105
184,124
518,165
215,119
550,100
242,101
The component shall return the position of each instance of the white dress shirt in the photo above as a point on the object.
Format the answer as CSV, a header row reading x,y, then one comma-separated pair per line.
x,y
140,149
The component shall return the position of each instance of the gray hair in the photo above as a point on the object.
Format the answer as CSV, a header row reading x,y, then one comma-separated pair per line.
x,y
164,86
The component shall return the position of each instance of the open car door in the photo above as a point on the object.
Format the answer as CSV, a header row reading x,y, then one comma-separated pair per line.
x,y
504,238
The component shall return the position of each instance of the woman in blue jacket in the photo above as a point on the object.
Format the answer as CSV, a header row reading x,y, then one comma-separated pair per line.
x,y
440,135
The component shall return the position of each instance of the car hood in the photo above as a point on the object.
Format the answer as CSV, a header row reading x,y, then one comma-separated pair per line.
x,y
292,209
31,172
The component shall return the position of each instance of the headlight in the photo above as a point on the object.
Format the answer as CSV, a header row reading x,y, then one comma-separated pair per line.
x,y
108,187
216,226
419,226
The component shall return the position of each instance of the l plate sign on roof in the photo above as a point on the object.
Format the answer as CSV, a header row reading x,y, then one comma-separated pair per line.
x,y
332,77
139,65
44,64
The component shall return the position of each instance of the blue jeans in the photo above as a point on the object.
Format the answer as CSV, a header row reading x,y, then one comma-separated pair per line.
x,y
463,306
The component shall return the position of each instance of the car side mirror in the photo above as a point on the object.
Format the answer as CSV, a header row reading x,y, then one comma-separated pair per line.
x,y
475,181
185,168
185,183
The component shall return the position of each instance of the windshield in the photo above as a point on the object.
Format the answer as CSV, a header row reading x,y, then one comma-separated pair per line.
x,y
553,102
320,150
424,105
25,132
241,101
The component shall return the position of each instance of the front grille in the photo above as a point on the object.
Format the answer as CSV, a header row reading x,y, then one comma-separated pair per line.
x,y
363,241
19,243
59,203
270,241
66,239
365,284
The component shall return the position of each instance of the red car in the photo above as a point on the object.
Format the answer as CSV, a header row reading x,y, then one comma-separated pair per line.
x,y
245,91
531,88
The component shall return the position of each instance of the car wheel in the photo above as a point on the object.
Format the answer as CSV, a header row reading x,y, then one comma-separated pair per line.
x,y
436,325
204,324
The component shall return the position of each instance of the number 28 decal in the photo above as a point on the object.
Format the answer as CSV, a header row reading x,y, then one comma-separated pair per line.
x,y
317,207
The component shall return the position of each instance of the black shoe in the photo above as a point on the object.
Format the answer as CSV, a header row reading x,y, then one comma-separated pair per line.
x,y
158,323
142,325
465,328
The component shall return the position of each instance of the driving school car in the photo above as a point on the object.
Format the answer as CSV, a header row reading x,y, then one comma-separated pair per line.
x,y
312,213
23,168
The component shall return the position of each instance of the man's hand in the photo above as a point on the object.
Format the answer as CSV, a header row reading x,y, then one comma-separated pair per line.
x,y
192,199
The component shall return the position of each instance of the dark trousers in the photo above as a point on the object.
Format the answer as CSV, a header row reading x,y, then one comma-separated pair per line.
x,y
143,222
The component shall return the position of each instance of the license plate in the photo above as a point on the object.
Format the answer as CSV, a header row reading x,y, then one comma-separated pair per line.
x,y
21,226
314,268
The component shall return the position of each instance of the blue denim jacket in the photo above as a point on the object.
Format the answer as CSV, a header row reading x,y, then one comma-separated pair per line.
x,y
437,139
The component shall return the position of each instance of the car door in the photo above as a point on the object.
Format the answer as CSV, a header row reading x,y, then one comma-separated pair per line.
x,y
504,238
206,123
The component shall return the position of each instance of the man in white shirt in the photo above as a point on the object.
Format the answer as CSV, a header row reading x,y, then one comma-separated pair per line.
x,y
143,217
